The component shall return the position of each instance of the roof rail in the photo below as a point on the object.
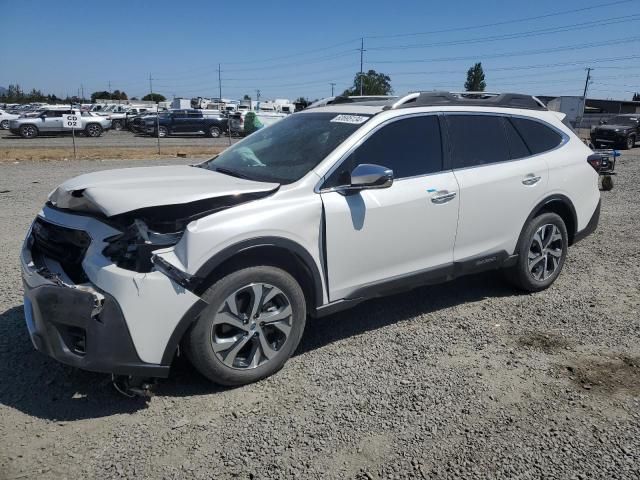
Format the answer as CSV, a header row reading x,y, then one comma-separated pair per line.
x,y
475,99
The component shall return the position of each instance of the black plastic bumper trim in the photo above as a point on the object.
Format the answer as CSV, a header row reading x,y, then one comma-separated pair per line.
x,y
591,226
52,311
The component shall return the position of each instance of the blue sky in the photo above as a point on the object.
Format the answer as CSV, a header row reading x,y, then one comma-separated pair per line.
x,y
297,48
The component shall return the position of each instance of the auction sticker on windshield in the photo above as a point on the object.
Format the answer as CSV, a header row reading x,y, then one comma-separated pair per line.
x,y
353,119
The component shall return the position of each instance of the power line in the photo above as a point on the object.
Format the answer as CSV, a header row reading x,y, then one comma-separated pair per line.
x,y
505,22
512,36
517,53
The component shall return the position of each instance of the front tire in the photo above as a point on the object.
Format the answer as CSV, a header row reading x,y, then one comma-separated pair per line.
x,y
117,125
4,125
542,251
630,142
162,132
28,131
252,325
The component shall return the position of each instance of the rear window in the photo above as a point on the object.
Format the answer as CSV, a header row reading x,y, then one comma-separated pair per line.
x,y
477,140
538,137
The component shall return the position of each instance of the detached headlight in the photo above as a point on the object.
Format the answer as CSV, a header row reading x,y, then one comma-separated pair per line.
x,y
132,248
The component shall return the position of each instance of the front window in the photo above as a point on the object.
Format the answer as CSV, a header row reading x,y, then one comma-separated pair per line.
x,y
287,150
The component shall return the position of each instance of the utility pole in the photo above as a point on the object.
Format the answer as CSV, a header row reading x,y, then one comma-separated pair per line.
x,y
584,95
157,112
332,85
109,89
257,95
219,85
82,90
361,55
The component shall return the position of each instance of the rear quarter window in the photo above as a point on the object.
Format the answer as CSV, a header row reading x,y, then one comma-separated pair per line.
x,y
538,136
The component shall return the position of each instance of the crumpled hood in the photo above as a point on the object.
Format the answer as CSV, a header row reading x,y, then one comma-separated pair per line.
x,y
113,192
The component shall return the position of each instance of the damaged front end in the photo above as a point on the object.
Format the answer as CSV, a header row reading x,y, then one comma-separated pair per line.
x,y
146,230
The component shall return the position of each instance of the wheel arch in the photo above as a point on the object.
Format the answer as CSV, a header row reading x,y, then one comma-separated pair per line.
x,y
560,205
270,251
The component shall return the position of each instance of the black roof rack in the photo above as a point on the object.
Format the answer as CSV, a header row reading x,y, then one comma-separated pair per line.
x,y
471,99
360,99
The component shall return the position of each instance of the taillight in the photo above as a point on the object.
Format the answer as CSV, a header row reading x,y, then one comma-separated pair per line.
x,y
595,161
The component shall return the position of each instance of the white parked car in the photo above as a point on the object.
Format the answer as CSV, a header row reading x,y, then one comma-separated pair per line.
x,y
5,117
314,214
50,122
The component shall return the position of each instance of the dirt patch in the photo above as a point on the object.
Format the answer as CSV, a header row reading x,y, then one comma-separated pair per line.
x,y
545,342
608,374
106,153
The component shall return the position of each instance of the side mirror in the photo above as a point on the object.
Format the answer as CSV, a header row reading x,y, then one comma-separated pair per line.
x,y
368,176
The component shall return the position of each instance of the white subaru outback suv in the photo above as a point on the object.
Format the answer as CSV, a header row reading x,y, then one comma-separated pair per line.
x,y
225,260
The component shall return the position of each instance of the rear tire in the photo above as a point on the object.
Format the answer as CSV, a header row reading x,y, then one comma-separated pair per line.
x,y
238,340
542,251
215,132
93,130
28,131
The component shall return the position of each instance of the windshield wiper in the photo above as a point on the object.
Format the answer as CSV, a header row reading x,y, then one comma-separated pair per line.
x,y
232,173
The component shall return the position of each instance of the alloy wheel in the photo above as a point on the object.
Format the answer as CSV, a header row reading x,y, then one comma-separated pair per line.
x,y
631,142
162,132
545,252
214,132
251,326
93,130
29,131
4,125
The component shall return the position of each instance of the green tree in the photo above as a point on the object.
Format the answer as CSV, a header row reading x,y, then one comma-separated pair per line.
x,y
246,97
103,95
373,83
475,79
154,97
118,95
636,97
301,103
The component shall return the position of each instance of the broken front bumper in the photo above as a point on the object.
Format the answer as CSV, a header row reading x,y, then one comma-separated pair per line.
x,y
113,320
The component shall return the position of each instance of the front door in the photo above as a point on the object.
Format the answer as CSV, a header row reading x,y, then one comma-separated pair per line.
x,y
381,235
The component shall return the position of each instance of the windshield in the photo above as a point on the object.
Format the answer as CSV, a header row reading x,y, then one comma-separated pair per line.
x,y
620,120
287,150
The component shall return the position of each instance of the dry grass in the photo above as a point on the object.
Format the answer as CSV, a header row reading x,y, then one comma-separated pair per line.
x,y
105,153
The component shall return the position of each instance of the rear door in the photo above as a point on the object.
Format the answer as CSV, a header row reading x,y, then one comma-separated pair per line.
x,y
396,233
194,121
500,180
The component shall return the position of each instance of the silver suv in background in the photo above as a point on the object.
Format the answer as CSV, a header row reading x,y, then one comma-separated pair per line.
x,y
50,122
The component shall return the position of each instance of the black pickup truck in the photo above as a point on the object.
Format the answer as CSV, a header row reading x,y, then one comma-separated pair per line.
x,y
620,131
181,122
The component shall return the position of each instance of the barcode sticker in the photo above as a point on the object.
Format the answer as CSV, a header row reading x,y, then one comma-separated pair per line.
x,y
353,119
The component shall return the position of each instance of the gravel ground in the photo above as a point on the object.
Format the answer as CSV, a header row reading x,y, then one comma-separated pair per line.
x,y
111,138
463,380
